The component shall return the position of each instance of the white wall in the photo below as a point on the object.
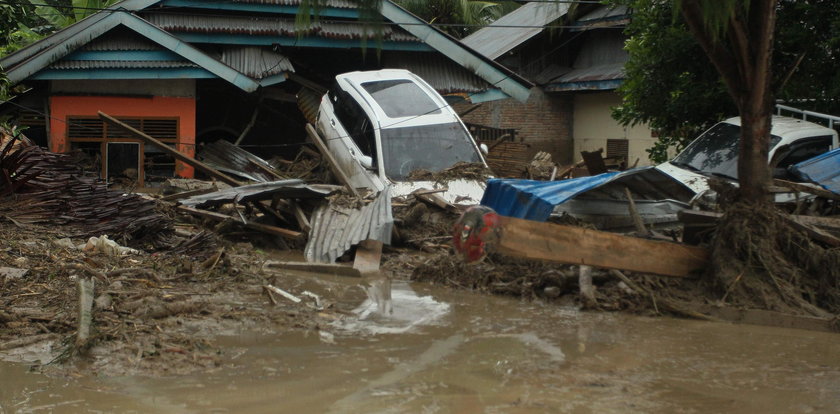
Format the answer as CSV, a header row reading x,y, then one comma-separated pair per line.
x,y
593,126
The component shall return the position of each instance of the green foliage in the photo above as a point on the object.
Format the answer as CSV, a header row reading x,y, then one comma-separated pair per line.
x,y
462,16
672,87
669,85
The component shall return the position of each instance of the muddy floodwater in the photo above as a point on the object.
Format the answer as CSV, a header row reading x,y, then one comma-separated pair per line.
x,y
444,351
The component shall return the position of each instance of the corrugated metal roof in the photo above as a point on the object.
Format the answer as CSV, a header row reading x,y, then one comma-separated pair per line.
x,y
121,40
335,229
292,188
229,158
441,73
256,62
595,73
514,28
121,64
309,102
823,170
269,26
604,13
341,4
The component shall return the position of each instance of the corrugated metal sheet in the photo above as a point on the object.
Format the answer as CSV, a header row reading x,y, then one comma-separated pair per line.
x,y
341,4
229,158
605,16
535,200
269,26
335,229
256,62
121,40
293,188
121,64
441,73
514,28
611,71
823,170
309,102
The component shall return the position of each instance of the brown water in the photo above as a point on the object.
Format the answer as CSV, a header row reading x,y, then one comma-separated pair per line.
x,y
444,351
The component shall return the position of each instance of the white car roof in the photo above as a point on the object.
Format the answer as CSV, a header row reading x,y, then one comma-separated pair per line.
x,y
791,128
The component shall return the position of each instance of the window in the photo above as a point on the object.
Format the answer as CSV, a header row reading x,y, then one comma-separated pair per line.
x,y
618,148
115,153
401,97
355,121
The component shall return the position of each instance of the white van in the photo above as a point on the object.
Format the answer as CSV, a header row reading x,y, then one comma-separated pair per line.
x,y
382,125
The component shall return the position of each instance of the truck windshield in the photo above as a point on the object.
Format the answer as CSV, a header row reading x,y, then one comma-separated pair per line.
x,y
715,152
401,98
426,147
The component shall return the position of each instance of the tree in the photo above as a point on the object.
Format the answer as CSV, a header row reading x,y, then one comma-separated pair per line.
x,y
678,95
458,17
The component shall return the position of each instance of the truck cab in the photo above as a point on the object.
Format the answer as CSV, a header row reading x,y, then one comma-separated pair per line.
x,y
383,125
715,152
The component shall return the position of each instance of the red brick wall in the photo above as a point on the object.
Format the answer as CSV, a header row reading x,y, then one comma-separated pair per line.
x,y
544,121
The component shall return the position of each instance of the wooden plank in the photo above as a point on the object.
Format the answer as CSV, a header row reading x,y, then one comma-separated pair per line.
x,y
814,233
325,152
171,151
817,191
331,268
300,216
576,245
187,194
264,228
368,256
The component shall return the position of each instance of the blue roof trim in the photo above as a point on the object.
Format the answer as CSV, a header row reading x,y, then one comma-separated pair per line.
x,y
71,31
189,52
823,170
273,79
244,39
497,75
258,7
603,85
151,73
59,50
487,96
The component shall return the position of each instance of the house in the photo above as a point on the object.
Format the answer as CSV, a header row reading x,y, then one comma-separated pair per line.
x,y
189,72
574,54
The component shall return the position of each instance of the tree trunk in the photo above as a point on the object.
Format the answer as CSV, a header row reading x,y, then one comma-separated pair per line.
x,y
753,171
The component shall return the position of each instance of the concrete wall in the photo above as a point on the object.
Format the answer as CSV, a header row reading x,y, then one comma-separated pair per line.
x,y
544,121
593,126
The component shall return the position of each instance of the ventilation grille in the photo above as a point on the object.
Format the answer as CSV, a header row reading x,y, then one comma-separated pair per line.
x,y
81,128
618,148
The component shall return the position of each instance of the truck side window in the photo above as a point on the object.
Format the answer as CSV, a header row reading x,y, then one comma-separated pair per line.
x,y
801,150
355,121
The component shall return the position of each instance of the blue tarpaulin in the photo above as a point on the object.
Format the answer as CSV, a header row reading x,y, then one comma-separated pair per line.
x,y
534,200
823,170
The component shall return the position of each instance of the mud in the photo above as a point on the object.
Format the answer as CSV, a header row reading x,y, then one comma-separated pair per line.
x,y
446,351
461,170
154,314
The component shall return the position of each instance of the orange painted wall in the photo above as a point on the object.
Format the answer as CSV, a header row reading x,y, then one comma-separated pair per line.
x,y
62,107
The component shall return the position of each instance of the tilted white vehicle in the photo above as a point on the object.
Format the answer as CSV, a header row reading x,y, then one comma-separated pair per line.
x,y
715,152
382,125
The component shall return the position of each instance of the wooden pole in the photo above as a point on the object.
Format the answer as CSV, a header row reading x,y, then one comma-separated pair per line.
x,y
264,228
325,152
171,151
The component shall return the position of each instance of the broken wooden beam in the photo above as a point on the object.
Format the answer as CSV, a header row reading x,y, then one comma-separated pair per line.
x,y
575,245
85,286
333,164
805,188
180,156
368,256
264,228
331,268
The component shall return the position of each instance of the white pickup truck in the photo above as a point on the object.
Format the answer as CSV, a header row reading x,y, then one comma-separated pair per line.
x,y
382,125
715,152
